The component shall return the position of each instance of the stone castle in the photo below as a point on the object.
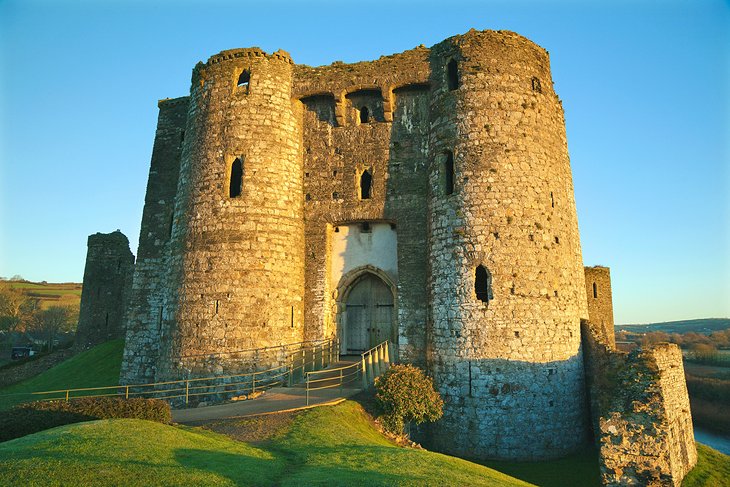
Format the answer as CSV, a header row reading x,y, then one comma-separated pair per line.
x,y
425,198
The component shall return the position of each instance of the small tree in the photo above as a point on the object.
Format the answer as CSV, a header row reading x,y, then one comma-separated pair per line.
x,y
51,321
405,394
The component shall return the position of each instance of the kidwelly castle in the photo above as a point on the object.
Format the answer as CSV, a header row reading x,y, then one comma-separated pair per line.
x,y
424,198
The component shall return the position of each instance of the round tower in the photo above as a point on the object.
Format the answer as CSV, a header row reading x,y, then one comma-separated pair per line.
x,y
237,250
506,281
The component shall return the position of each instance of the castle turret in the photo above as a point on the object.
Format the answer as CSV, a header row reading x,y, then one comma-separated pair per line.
x,y
107,279
506,282
237,251
147,307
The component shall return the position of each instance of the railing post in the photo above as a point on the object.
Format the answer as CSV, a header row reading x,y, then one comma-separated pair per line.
x,y
376,362
253,383
291,374
364,373
386,357
307,389
187,391
126,392
371,377
381,357
340,381
66,395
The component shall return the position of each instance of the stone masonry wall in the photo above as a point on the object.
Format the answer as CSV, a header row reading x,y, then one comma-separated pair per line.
x,y
600,302
508,365
640,412
104,296
392,145
236,271
147,309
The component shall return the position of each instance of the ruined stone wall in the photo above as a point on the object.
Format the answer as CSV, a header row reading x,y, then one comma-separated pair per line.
x,y
146,310
510,369
392,145
600,302
236,276
105,293
640,412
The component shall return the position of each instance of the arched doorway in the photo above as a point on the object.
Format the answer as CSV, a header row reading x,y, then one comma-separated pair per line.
x,y
369,314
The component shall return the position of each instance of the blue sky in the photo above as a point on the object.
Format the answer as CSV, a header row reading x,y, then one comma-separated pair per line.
x,y
645,86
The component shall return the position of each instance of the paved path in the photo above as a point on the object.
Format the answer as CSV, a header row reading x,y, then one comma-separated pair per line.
x,y
278,399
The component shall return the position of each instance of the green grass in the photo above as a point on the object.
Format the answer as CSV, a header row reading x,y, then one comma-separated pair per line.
x,y
339,446
133,452
324,446
96,367
713,469
580,469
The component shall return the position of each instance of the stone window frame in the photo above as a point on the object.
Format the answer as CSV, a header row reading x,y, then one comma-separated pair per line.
x,y
452,74
358,183
489,284
229,175
239,87
446,173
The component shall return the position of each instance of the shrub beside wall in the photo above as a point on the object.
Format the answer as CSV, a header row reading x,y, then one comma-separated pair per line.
x,y
26,419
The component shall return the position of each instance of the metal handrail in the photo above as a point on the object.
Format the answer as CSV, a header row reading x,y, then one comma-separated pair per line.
x,y
320,353
367,367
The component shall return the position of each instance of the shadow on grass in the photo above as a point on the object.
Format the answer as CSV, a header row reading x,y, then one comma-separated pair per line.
x,y
241,469
577,469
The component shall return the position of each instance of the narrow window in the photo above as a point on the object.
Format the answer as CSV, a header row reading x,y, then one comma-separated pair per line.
x,y
217,304
169,228
365,228
366,183
452,75
244,79
364,115
106,321
483,284
552,200
448,173
536,85
595,291
159,321
236,178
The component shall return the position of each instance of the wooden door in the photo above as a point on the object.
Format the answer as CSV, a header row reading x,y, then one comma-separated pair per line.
x,y
369,314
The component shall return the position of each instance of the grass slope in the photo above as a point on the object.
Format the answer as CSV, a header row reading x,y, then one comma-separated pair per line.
x,y
339,446
325,446
96,367
133,452
712,470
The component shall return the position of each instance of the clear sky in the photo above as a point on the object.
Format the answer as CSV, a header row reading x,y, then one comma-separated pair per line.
x,y
645,86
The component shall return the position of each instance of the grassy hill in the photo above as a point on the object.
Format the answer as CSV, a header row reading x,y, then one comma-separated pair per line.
x,y
705,325
335,445
50,294
96,367
325,446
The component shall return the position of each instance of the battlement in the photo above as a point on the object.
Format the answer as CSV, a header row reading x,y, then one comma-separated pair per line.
x,y
250,52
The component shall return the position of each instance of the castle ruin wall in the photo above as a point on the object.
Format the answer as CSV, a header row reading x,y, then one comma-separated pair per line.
x,y
600,302
147,310
105,293
640,412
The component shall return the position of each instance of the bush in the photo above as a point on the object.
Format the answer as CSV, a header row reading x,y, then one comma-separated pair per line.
x,y
405,394
26,419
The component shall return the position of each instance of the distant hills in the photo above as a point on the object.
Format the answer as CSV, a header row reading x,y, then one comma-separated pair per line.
x,y
48,293
704,325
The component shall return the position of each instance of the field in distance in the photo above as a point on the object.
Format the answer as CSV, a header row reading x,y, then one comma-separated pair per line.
x,y
49,293
704,325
